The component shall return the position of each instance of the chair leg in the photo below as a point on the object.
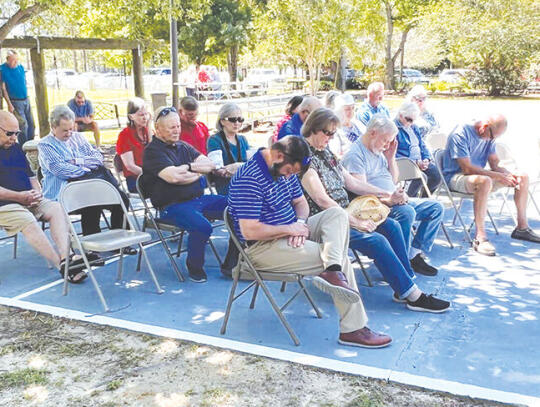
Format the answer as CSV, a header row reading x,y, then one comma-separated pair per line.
x,y
150,269
493,222
366,276
120,266
309,298
456,212
447,236
229,304
254,297
94,281
215,251
531,199
15,242
283,286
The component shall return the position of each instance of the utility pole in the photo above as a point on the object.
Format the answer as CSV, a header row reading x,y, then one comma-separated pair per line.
x,y
174,58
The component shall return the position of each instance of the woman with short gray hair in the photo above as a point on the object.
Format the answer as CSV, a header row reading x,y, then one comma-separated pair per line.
x,y
412,146
233,146
350,130
58,113
426,122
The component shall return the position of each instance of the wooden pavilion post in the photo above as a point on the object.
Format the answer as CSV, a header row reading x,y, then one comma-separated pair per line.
x,y
138,72
42,101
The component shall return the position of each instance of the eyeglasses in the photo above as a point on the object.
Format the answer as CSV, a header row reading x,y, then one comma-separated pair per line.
x,y
235,119
328,132
408,119
16,133
420,98
164,112
490,134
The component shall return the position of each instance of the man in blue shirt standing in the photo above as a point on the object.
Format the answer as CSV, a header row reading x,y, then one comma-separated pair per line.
x,y
293,126
469,148
84,115
16,95
372,104
271,216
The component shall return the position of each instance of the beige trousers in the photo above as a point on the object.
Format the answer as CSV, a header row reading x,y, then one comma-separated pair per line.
x,y
327,244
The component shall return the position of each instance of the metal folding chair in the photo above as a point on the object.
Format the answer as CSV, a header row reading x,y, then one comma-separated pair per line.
x,y
96,192
259,278
408,171
436,141
15,242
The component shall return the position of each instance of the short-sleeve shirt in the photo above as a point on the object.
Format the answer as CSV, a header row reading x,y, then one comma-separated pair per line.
x,y
197,135
15,81
366,111
158,156
360,160
81,111
15,172
254,194
465,142
129,141
292,127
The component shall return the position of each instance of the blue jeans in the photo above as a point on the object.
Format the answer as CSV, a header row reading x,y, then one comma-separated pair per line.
x,y
193,217
387,249
22,107
428,212
433,181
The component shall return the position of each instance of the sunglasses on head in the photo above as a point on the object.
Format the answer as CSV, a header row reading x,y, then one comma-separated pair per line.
x,y
16,133
235,119
164,112
408,119
328,132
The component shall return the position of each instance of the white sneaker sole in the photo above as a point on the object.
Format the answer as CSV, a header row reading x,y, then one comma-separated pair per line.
x,y
364,346
433,311
340,293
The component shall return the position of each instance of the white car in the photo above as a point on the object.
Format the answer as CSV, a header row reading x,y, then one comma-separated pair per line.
x,y
453,75
264,75
413,76
60,75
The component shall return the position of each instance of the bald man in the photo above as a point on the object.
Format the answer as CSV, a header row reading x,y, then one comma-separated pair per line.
x,y
293,126
22,204
470,147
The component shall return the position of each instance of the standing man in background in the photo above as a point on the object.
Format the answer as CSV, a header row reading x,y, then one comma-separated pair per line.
x,y
16,95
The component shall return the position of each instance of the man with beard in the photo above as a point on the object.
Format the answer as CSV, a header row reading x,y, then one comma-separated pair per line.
x,y
271,216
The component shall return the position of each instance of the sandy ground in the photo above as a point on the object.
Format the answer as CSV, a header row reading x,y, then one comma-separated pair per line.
x,y
46,361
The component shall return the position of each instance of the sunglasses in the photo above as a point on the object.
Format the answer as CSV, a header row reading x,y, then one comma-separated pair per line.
x,y
408,119
16,133
420,98
490,134
328,132
235,119
165,112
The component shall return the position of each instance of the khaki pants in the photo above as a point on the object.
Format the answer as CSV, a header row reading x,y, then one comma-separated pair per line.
x,y
328,244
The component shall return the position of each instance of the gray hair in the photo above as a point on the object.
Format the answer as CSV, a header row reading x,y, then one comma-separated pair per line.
x,y
374,87
380,124
310,103
226,111
11,53
330,99
59,113
133,106
318,120
416,91
410,109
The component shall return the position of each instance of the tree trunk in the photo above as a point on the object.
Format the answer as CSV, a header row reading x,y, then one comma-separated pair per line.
x,y
20,17
389,82
401,51
232,62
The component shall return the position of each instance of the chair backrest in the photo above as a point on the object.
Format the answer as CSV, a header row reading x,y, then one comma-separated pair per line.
x,y
92,192
408,170
438,158
229,224
436,141
118,165
504,153
140,189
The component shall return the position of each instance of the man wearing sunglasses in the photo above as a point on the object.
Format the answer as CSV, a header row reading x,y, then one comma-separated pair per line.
x,y
469,148
271,215
174,178
293,126
22,203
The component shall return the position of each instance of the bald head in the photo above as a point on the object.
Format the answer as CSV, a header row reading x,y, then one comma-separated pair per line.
x,y
9,127
308,105
498,121
7,118
492,127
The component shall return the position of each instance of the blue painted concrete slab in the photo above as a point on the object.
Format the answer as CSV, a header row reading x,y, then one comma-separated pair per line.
x,y
489,339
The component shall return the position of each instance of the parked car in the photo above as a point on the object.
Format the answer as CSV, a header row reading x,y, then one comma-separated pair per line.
x,y
413,76
264,75
159,71
60,75
453,75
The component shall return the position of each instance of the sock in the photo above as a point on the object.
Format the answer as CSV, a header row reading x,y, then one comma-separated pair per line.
x,y
413,252
414,295
333,267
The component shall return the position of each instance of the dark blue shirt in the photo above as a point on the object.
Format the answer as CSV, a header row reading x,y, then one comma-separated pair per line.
x,y
254,194
292,127
15,172
158,156
15,81
81,111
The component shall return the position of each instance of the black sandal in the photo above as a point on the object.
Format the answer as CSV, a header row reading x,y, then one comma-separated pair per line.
x,y
76,274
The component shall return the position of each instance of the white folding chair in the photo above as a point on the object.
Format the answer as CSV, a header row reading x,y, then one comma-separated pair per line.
x,y
408,171
436,141
96,192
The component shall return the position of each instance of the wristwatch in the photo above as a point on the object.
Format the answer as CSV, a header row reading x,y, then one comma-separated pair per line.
x,y
300,220
189,166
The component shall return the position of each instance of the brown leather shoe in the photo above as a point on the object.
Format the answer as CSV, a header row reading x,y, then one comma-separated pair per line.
x,y
365,338
335,283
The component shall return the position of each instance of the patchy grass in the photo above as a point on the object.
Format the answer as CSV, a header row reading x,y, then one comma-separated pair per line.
x,y
114,385
22,377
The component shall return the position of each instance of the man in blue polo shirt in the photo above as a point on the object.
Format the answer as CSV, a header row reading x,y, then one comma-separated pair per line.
x,y
372,104
469,148
84,115
271,215
293,126
16,94
22,203
174,179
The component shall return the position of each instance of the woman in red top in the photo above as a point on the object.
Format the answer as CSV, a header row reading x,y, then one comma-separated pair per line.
x,y
133,139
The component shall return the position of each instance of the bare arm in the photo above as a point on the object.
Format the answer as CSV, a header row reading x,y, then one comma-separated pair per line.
x,y
26,198
203,165
390,155
494,161
315,189
253,229
129,163
6,96
398,197
358,185
178,175
35,184
301,207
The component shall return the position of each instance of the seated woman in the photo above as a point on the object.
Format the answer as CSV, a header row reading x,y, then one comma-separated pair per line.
x,y
350,129
292,108
326,183
233,146
133,139
412,146
426,122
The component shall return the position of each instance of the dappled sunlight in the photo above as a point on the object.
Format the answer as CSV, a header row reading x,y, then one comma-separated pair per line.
x,y
345,353
133,283
179,291
37,362
213,316
36,394
196,352
219,358
172,400
166,347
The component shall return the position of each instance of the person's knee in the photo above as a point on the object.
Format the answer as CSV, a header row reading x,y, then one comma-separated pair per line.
x,y
337,212
523,180
483,184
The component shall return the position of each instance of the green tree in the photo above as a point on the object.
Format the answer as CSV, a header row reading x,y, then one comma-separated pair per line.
x,y
21,11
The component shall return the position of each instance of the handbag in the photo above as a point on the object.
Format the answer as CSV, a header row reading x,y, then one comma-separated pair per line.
x,y
368,207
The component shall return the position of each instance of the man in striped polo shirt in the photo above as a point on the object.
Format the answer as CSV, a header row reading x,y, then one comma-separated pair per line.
x,y
270,214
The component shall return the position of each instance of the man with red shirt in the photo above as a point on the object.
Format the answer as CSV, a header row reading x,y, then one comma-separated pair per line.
x,y
193,132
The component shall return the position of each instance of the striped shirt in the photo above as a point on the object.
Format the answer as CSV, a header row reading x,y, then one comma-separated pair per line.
x,y
64,160
254,194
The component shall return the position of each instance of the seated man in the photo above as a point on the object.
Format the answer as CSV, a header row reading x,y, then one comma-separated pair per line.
x,y
84,115
193,132
469,148
22,204
372,104
293,126
270,214
66,156
173,177
372,159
